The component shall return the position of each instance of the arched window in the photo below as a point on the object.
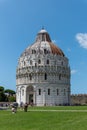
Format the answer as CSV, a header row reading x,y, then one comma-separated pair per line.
x,y
59,76
57,91
39,61
47,61
30,62
39,91
35,64
48,91
45,51
33,51
30,76
45,76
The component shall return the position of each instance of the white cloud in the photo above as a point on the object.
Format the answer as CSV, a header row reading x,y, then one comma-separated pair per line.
x,y
82,39
73,71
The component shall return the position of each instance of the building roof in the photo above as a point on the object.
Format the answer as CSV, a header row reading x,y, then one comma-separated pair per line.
x,y
43,43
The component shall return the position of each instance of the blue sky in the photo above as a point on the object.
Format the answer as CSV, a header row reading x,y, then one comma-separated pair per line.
x,y
66,22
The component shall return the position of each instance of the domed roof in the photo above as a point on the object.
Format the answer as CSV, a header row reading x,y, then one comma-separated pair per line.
x,y
43,43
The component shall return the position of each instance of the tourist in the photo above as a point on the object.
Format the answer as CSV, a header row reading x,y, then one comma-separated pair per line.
x,y
13,109
25,107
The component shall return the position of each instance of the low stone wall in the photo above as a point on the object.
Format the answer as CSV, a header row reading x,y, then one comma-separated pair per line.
x,y
79,99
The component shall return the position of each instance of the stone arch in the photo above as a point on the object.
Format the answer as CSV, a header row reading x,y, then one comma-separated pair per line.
x,y
30,94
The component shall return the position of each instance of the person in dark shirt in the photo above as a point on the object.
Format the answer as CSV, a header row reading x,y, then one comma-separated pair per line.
x,y
25,107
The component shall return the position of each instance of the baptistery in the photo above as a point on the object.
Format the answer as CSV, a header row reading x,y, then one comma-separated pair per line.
x,y
43,74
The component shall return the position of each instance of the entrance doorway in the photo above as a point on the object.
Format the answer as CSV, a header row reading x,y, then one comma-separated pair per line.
x,y
30,95
31,99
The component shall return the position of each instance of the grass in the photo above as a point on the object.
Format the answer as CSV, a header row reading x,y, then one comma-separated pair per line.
x,y
59,108
45,120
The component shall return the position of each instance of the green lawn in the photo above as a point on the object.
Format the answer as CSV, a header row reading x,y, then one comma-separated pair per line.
x,y
44,118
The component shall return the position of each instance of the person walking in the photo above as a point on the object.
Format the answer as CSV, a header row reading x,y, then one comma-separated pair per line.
x,y
25,107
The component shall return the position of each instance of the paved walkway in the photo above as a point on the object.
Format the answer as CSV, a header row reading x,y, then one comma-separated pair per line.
x,y
59,110
40,110
4,108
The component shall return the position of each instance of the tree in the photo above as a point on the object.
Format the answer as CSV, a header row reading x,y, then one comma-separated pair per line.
x,y
11,99
1,89
2,95
6,95
10,92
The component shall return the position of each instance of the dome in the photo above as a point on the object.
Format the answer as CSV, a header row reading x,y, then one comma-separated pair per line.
x,y
43,44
